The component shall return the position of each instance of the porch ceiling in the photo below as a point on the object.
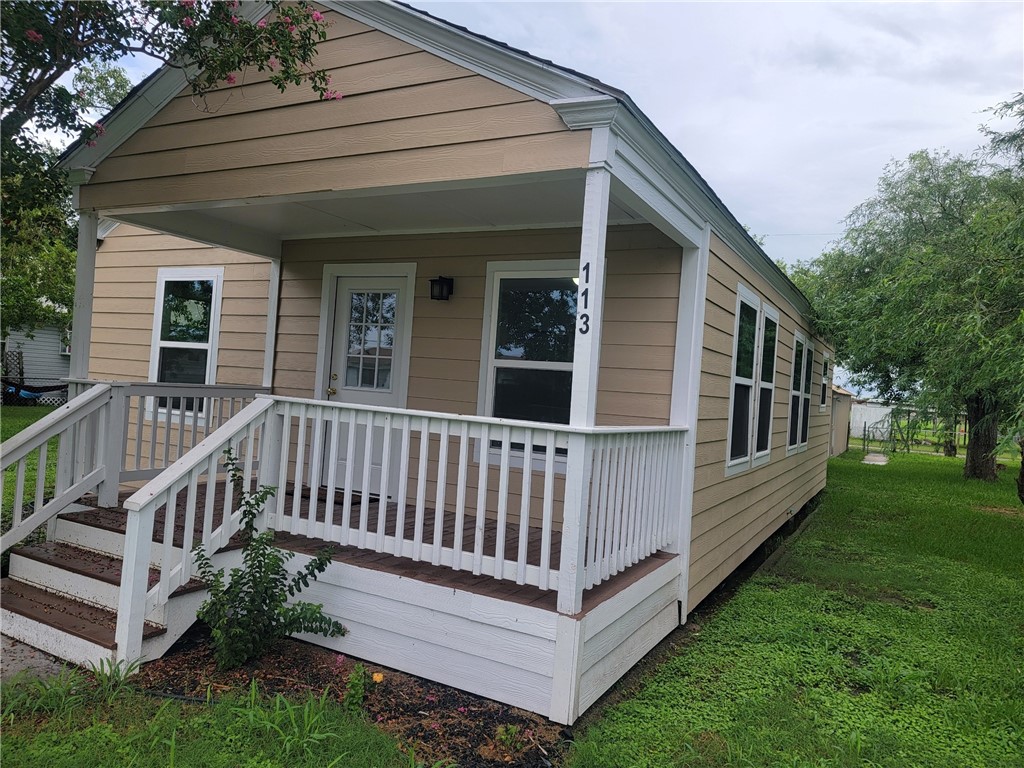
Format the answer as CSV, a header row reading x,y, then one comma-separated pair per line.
x,y
259,225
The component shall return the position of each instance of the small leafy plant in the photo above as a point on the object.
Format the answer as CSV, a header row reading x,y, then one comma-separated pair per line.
x,y
355,690
248,609
510,738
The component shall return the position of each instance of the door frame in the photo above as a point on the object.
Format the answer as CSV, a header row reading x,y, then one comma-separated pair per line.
x,y
328,310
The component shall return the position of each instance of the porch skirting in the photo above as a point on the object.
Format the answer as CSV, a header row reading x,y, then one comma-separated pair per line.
x,y
523,655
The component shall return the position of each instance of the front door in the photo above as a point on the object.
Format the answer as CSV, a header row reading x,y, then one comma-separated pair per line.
x,y
368,365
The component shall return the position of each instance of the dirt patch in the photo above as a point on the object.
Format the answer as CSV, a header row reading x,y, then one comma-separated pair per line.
x,y
440,723
1008,511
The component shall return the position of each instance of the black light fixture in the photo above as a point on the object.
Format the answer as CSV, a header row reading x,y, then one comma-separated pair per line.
x,y
441,288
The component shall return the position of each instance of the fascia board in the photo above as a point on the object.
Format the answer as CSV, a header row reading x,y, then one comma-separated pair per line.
x,y
508,67
138,108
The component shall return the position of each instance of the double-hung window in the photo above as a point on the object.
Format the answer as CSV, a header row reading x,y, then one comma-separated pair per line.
x,y
800,392
753,382
186,323
529,345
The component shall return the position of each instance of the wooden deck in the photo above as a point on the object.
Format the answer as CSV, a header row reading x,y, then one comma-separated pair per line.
x,y
509,591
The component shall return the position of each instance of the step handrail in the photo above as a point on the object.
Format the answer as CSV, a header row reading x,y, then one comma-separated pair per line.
x,y
84,477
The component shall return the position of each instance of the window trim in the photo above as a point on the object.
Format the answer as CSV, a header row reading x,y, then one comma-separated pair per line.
x,y
753,458
178,274
804,391
826,381
496,270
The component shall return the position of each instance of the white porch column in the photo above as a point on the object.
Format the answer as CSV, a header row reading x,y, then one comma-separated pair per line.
x,y
583,407
85,274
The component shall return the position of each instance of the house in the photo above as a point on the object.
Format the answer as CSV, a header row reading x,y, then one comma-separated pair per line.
x,y
527,484
842,403
34,365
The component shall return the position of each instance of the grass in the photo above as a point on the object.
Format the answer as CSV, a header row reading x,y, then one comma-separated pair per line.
x,y
889,633
13,419
71,721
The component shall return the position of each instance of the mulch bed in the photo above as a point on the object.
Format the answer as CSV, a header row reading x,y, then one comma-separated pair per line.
x,y
440,723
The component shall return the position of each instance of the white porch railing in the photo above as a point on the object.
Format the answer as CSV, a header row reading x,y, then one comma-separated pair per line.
x,y
80,426
108,433
555,507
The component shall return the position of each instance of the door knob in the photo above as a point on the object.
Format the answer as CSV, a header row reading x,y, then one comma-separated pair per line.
x,y
331,391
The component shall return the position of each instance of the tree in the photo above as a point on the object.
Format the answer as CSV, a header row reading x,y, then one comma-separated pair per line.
x,y
922,294
211,42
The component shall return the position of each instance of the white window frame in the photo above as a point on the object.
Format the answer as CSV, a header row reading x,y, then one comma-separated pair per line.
x,y
758,389
804,391
826,381
64,344
496,271
177,274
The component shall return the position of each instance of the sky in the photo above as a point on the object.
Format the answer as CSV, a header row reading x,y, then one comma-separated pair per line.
x,y
789,110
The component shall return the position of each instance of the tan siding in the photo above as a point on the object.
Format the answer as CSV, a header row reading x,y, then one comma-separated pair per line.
x,y
733,515
639,332
127,263
408,116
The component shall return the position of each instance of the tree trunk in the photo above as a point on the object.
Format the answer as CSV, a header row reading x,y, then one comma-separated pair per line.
x,y
1020,475
983,428
949,437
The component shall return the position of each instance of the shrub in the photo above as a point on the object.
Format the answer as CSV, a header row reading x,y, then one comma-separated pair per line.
x,y
248,610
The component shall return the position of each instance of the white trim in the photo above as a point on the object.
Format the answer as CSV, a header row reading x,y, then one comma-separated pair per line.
x,y
826,381
808,351
768,312
743,296
270,341
85,285
497,62
179,274
328,309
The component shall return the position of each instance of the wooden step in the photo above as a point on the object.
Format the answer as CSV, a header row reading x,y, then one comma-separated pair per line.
x,y
94,625
82,562
116,521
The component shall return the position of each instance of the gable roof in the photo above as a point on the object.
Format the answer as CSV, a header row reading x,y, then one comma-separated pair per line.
x,y
569,91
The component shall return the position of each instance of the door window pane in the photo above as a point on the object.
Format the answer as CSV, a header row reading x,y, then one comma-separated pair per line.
x,y
371,339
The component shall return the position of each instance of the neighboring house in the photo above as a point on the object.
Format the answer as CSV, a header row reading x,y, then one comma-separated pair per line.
x,y
34,365
530,483
842,401
870,417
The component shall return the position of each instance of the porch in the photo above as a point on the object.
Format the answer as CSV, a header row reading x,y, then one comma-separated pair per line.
x,y
531,563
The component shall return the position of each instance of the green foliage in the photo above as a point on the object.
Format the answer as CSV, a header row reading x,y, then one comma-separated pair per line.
x,y
248,610
887,634
355,690
510,738
922,295
111,678
57,695
139,731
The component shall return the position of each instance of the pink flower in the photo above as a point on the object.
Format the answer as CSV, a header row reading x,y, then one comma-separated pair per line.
x,y
235,3
262,23
272,62
317,16
230,79
286,19
331,96
292,27
187,3
100,129
90,143
461,710
187,22
34,36
235,20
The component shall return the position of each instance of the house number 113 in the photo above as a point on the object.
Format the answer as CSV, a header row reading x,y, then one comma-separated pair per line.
x,y
584,298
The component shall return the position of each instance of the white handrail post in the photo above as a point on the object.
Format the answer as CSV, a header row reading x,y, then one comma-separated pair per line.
x,y
572,562
131,607
271,448
112,454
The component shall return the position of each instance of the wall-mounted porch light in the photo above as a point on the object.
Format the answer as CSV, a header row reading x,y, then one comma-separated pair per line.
x,y
441,288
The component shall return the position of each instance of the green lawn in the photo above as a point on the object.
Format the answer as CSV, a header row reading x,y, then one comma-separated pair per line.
x,y
13,419
889,633
69,723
